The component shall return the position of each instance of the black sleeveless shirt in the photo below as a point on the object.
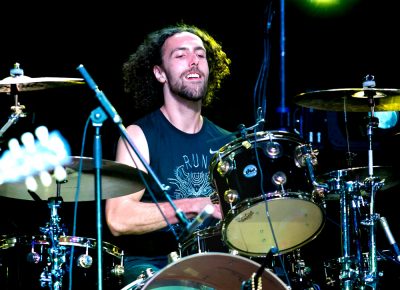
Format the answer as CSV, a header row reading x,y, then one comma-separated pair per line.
x,y
180,161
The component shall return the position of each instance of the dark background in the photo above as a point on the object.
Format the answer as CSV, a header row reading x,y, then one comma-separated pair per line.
x,y
323,50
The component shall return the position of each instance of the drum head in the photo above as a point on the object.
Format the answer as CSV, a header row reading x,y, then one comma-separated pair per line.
x,y
210,271
295,220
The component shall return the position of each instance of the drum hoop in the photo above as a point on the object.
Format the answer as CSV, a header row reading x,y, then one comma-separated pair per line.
x,y
264,135
172,270
91,243
234,212
203,233
12,241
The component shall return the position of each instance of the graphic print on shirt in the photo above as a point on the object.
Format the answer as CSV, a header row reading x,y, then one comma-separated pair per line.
x,y
191,179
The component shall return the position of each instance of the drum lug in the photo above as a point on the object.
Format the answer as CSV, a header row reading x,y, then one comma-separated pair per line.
x,y
231,196
225,166
273,150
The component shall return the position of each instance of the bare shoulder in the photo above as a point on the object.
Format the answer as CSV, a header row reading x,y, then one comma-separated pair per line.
x,y
138,139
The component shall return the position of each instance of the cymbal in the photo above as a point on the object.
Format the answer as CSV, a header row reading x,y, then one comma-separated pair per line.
x,y
118,179
350,100
25,83
387,174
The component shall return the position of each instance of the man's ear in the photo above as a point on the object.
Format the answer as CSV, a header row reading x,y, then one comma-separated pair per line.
x,y
159,74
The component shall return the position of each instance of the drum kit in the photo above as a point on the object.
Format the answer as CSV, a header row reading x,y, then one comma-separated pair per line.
x,y
272,203
42,260
48,257
53,250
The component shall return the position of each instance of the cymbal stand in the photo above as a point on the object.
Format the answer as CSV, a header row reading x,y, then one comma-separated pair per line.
x,y
348,191
357,275
53,273
372,185
17,109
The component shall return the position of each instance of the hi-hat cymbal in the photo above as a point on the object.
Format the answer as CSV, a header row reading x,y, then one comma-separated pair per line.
x,y
117,180
387,174
351,100
25,83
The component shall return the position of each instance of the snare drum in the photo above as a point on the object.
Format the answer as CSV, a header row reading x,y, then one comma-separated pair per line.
x,y
265,194
24,258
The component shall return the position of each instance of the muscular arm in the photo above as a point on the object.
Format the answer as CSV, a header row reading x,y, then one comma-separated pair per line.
x,y
128,215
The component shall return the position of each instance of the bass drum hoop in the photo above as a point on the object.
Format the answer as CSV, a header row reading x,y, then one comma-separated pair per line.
x,y
208,271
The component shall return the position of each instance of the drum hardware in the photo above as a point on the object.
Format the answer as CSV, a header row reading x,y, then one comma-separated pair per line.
x,y
203,241
368,99
33,257
306,156
119,269
52,274
355,269
17,82
141,279
390,238
299,273
245,190
299,267
243,131
334,180
17,108
207,271
84,260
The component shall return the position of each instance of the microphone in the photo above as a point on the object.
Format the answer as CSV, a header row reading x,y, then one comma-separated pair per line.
x,y
390,237
199,219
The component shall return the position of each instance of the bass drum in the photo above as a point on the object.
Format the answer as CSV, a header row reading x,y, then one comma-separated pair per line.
x,y
265,193
208,271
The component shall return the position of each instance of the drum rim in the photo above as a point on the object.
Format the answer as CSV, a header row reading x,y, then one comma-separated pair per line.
x,y
150,280
91,243
246,205
237,143
10,241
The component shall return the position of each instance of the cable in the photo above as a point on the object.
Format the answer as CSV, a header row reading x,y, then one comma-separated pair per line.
x,y
150,191
78,183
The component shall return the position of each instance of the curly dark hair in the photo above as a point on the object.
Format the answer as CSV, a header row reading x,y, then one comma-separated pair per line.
x,y
140,82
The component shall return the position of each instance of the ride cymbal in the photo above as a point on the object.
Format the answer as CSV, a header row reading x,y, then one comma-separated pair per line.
x,y
351,99
117,180
25,83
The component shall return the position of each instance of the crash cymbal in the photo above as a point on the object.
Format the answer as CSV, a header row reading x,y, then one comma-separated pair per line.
x,y
350,100
117,180
387,174
25,83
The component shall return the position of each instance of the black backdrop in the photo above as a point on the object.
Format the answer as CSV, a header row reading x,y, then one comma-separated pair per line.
x,y
322,51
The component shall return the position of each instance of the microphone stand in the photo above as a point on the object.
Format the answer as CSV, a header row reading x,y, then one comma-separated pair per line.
x,y
113,114
98,117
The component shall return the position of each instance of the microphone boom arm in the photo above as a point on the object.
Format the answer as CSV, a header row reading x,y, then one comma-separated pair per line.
x,y
110,110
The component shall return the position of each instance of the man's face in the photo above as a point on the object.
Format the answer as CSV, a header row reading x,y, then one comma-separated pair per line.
x,y
185,66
